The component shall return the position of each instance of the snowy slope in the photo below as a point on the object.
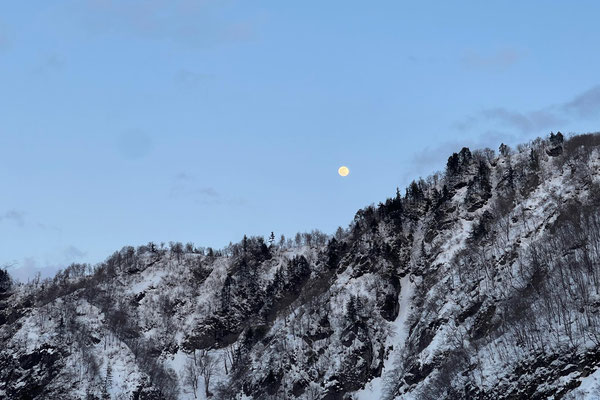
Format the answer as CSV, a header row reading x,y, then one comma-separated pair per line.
x,y
479,282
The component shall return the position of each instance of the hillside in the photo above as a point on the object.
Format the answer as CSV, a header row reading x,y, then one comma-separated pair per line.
x,y
481,282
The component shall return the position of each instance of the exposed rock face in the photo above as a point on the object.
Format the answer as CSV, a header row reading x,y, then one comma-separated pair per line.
x,y
37,369
554,151
481,282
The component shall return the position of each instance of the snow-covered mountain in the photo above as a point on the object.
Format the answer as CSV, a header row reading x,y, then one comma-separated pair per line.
x,y
482,282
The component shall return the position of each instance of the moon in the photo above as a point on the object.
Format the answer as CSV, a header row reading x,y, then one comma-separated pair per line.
x,y
343,171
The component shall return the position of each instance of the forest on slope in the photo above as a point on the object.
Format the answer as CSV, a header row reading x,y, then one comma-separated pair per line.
x,y
482,281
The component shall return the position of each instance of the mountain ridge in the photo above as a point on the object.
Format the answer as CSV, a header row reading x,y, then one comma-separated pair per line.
x,y
479,282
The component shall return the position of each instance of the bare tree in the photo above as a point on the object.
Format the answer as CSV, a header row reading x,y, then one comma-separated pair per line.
x,y
208,366
192,374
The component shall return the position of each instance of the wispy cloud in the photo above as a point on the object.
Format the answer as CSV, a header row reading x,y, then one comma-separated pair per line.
x,y
72,253
433,157
196,22
14,216
524,122
134,144
49,63
4,40
191,78
422,59
29,267
499,59
20,219
188,186
584,105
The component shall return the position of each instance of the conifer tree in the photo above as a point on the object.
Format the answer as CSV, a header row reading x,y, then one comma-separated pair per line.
x,y
109,377
504,150
271,239
282,241
107,382
351,312
5,281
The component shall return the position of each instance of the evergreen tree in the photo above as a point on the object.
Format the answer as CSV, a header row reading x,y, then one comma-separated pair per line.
x,y
452,164
245,245
534,160
556,140
339,233
5,281
416,193
504,150
107,383
271,239
359,305
351,312
109,377
298,239
277,283
226,292
445,193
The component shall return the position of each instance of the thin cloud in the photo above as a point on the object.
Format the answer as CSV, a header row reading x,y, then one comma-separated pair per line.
x,y
239,31
187,186
525,122
15,216
423,59
4,40
28,268
190,78
500,59
465,124
20,219
51,62
584,105
431,158
134,144
48,227
72,253
191,22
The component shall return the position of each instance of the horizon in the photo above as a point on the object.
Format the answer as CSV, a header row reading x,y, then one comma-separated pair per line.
x,y
24,278
202,122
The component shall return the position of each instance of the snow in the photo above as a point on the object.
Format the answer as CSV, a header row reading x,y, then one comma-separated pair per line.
x,y
589,388
374,390
193,302
150,279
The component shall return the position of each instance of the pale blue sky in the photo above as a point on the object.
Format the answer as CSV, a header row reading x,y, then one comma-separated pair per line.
x,y
128,121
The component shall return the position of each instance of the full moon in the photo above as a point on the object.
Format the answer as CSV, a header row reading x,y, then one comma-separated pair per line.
x,y
343,171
